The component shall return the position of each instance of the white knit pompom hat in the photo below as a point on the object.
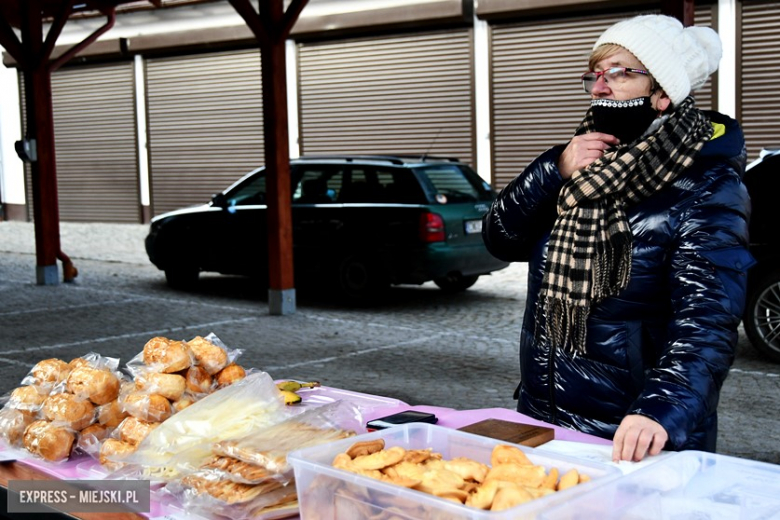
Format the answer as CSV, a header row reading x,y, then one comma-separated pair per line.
x,y
679,58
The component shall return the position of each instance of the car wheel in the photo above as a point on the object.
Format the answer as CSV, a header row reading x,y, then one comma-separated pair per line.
x,y
182,277
360,279
762,316
456,282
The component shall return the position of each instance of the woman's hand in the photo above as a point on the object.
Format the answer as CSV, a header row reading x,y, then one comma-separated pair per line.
x,y
636,437
583,150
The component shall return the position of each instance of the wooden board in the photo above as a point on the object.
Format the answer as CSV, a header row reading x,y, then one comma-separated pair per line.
x,y
516,433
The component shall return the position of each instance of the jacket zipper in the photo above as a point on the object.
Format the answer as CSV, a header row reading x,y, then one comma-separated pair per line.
x,y
551,375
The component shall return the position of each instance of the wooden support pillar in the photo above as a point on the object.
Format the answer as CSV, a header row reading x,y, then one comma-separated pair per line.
x,y
683,10
271,26
33,53
281,289
40,127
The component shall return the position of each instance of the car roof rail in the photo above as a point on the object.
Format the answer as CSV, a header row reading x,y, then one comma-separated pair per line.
x,y
425,157
396,158
349,158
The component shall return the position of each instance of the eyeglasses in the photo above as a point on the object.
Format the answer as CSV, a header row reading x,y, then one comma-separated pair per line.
x,y
612,75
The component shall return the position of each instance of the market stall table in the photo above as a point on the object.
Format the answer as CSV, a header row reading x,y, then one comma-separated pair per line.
x,y
16,466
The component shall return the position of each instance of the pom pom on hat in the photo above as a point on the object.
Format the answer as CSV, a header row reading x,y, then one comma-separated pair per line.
x,y
679,58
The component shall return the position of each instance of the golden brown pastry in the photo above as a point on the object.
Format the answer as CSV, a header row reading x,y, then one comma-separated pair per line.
x,y
51,370
133,431
170,386
28,398
198,380
12,425
111,414
79,362
99,386
148,407
208,355
46,440
183,403
166,355
90,437
113,451
69,411
230,374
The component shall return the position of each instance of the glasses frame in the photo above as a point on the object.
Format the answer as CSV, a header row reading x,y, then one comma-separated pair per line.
x,y
601,73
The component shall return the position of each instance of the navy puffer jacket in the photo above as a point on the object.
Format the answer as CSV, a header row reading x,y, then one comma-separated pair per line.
x,y
663,346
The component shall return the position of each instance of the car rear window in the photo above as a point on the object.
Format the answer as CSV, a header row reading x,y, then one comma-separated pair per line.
x,y
456,183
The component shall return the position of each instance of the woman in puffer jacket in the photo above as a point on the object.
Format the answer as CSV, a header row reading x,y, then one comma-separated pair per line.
x,y
636,237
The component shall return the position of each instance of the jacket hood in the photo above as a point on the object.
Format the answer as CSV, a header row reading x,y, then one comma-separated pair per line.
x,y
730,146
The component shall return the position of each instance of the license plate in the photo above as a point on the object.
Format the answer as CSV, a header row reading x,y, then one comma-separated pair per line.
x,y
473,226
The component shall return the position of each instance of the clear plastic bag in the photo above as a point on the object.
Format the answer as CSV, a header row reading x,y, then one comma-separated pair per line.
x,y
184,440
249,477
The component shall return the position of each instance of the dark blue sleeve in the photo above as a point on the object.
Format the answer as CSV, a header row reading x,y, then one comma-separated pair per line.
x,y
708,280
525,209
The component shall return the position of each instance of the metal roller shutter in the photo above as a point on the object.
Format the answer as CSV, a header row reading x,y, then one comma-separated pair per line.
x,y
538,99
760,75
399,94
706,95
205,120
96,145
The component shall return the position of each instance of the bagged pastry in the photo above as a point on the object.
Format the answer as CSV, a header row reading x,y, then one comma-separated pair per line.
x,y
248,476
185,439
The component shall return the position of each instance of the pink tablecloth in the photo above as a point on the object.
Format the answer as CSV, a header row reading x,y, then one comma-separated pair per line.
x,y
452,418
371,407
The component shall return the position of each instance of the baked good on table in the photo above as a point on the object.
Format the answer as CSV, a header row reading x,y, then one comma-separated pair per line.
x,y
50,370
28,398
198,380
69,411
79,362
98,385
182,403
230,374
133,430
113,451
211,357
238,469
46,440
12,425
148,407
91,436
228,491
111,414
170,386
167,355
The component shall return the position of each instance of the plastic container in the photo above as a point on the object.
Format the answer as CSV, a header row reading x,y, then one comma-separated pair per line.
x,y
690,485
328,493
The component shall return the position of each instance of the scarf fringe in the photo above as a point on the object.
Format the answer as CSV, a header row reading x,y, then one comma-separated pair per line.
x,y
612,266
565,322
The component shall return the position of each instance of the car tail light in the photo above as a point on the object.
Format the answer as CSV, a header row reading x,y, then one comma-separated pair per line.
x,y
431,227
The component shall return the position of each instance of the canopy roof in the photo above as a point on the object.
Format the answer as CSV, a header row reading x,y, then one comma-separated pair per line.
x,y
12,10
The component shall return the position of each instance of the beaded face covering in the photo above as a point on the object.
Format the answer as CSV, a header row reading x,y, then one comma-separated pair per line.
x,y
627,120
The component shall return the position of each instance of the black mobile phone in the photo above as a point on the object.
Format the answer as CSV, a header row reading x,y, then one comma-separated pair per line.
x,y
409,416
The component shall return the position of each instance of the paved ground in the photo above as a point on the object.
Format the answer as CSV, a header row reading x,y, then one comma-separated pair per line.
x,y
420,346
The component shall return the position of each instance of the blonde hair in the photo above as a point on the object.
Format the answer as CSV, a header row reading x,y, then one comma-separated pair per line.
x,y
608,49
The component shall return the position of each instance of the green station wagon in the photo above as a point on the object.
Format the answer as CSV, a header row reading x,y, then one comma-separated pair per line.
x,y
360,224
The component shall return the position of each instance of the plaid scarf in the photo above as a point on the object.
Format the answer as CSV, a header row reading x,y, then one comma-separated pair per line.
x,y
589,251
